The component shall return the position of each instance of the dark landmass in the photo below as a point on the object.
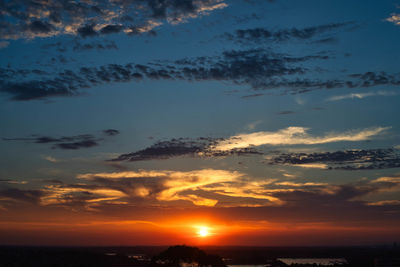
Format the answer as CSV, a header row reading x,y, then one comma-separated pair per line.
x,y
184,256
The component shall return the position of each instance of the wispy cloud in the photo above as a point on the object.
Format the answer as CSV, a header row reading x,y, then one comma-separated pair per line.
x,y
385,203
252,125
51,159
361,95
294,136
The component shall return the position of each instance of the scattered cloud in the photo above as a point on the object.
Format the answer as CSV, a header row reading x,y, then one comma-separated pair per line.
x,y
28,20
251,67
244,144
370,159
10,181
394,18
104,45
263,35
200,147
111,132
221,191
51,159
14,195
66,142
385,203
260,69
286,112
251,96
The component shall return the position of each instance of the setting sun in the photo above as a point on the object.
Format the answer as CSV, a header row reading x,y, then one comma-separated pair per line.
x,y
203,231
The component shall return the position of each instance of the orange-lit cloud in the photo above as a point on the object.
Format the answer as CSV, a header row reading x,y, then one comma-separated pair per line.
x,y
294,136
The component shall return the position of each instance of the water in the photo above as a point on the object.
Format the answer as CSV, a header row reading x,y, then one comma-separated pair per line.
x,y
318,261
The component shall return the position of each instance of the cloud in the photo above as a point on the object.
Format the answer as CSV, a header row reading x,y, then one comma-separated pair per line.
x,y
244,144
360,95
14,195
251,96
156,186
294,136
222,193
76,195
10,181
312,165
394,18
87,31
369,159
220,188
51,159
80,45
28,20
286,112
67,142
111,132
77,145
385,203
260,69
106,44
200,147
251,126
263,35
252,67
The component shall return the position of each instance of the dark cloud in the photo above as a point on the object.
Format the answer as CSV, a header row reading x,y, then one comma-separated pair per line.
x,y
106,44
183,147
77,145
369,79
60,47
111,29
80,45
110,132
67,142
328,40
38,26
87,31
262,35
19,195
30,19
344,160
251,96
286,112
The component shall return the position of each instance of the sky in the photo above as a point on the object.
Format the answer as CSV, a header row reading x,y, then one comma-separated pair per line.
x,y
148,122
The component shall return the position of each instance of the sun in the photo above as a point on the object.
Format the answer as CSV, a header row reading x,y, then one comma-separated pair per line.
x,y
203,231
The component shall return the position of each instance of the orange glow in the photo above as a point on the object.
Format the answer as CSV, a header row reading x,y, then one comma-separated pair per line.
x,y
36,227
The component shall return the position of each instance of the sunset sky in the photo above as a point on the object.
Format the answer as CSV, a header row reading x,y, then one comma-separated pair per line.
x,y
201,122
